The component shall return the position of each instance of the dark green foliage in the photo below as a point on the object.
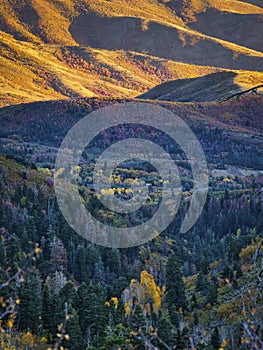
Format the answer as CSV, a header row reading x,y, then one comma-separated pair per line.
x,y
174,283
138,320
82,276
166,332
212,294
116,337
47,314
74,331
30,304
90,305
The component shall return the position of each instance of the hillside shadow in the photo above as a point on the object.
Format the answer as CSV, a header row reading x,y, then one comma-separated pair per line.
x,y
208,88
244,30
156,39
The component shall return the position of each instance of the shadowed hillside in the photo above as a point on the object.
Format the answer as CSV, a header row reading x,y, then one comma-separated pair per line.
x,y
27,121
212,87
178,44
224,25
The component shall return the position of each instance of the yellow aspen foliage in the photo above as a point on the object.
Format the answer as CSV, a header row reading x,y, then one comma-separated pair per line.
x,y
59,172
127,309
150,289
75,170
116,301
109,192
27,339
37,250
250,250
10,323
146,293
43,339
214,265
224,343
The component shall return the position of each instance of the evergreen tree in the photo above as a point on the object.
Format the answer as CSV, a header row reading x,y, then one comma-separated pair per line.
x,y
174,316
165,332
73,330
212,294
47,311
138,321
138,326
30,304
215,339
174,284
90,305
116,337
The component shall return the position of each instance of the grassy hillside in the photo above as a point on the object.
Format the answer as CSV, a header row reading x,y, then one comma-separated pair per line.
x,y
49,20
227,24
212,87
53,49
31,72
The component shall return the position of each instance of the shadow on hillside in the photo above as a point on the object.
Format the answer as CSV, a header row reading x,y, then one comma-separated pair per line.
x,y
132,34
211,87
232,27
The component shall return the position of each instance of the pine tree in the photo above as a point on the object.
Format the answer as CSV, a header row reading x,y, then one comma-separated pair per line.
x,y
90,305
215,339
174,284
116,337
138,327
47,311
165,332
73,330
174,316
13,253
138,321
212,294
30,304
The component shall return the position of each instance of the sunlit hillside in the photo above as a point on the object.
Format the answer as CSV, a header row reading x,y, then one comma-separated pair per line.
x,y
31,72
59,49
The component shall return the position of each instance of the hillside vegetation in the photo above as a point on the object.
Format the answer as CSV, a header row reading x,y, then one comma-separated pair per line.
x,y
200,290
212,87
58,49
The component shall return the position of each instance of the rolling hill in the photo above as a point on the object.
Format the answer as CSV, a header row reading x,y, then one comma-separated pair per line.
x,y
60,49
229,131
212,87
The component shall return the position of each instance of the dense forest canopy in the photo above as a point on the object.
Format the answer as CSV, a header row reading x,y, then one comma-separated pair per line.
x,y
202,289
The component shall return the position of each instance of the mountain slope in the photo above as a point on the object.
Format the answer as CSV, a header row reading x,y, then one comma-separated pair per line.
x,y
22,122
53,49
225,24
229,132
171,42
31,72
211,87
